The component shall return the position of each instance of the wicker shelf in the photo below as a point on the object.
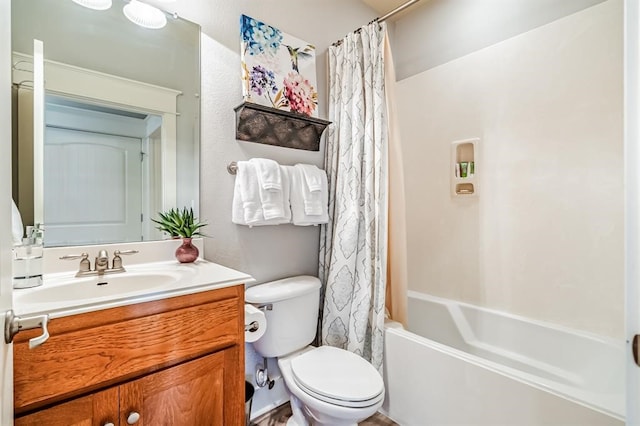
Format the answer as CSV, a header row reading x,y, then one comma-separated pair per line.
x,y
271,126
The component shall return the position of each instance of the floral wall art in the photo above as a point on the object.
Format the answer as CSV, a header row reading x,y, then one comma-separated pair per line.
x,y
278,70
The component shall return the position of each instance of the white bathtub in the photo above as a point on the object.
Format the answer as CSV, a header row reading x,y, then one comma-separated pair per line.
x,y
459,364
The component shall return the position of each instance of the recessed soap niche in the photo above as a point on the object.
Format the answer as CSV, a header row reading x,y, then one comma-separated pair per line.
x,y
464,168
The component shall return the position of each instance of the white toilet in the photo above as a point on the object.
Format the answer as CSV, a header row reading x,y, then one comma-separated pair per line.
x,y
328,386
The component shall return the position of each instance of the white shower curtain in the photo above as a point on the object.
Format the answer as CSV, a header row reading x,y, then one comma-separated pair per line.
x,y
353,247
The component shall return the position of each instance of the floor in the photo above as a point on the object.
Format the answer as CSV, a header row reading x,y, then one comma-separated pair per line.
x,y
279,416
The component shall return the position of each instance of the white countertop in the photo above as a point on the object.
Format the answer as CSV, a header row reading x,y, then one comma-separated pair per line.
x,y
195,277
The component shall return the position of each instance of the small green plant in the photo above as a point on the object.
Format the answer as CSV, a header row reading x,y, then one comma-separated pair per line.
x,y
179,223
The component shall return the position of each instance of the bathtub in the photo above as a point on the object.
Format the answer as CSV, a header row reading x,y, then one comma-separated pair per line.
x,y
459,364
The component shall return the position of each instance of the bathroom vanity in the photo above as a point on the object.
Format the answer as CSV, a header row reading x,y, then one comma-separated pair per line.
x,y
173,356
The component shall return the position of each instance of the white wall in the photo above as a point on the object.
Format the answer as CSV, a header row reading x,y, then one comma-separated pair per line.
x,y
6,351
269,252
632,200
437,31
273,251
544,238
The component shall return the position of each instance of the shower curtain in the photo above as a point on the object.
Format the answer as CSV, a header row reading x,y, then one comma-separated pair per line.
x,y
353,245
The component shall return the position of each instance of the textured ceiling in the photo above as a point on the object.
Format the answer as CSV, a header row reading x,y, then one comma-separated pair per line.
x,y
383,6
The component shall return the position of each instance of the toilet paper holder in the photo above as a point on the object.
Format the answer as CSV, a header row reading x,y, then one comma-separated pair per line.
x,y
251,327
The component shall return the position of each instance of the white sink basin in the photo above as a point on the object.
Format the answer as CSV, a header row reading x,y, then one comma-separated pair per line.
x,y
97,287
63,294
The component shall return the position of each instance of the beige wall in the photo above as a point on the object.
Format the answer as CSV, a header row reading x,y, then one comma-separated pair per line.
x,y
544,237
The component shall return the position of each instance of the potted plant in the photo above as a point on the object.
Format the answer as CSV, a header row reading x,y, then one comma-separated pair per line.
x,y
181,224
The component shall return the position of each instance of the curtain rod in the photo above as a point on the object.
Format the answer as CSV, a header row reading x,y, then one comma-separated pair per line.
x,y
385,16
397,10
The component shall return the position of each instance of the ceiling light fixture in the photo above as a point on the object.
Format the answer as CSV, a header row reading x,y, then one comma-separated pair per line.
x,y
144,15
94,4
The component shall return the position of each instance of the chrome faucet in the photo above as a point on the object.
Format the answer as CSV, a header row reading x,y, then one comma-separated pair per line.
x,y
102,262
101,265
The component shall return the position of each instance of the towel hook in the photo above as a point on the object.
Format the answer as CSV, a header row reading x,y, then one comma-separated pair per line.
x,y
232,168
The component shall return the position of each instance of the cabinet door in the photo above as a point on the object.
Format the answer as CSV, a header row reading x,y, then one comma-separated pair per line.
x,y
189,394
97,409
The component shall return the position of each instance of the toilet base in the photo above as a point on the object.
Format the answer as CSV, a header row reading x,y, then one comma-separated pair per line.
x,y
298,418
304,417
292,422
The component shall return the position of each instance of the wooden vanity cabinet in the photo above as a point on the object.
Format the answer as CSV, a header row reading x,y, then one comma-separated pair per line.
x,y
99,408
176,361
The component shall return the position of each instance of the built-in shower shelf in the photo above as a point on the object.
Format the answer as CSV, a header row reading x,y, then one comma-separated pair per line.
x,y
271,126
464,165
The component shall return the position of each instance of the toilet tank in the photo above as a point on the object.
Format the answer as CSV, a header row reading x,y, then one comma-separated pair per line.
x,y
293,317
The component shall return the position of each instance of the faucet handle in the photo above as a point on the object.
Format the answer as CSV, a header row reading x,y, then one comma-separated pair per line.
x,y
119,252
85,265
74,256
117,260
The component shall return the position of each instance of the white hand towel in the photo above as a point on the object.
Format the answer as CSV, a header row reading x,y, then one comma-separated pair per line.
x,y
312,176
17,230
312,199
247,188
268,174
286,194
237,208
247,207
271,198
298,214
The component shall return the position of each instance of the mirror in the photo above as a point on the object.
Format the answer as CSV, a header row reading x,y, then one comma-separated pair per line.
x,y
121,117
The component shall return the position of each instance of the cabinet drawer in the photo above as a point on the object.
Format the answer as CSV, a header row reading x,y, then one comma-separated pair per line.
x,y
89,352
99,408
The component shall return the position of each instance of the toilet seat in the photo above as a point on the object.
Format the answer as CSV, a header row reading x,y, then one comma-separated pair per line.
x,y
338,377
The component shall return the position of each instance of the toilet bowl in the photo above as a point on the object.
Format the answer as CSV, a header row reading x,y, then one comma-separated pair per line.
x,y
341,390
327,386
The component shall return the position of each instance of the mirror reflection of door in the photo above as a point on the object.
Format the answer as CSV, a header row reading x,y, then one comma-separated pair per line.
x,y
93,189
96,172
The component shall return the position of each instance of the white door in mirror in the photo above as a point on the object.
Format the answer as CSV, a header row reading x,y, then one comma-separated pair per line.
x,y
93,188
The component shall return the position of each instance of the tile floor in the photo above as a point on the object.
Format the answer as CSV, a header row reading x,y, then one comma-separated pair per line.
x,y
279,416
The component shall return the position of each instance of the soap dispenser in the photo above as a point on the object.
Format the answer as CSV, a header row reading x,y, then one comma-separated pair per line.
x,y
27,259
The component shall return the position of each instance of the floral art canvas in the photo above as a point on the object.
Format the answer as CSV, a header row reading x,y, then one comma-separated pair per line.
x,y
278,70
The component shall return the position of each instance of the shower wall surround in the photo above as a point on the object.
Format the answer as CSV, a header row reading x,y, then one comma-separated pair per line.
x,y
545,237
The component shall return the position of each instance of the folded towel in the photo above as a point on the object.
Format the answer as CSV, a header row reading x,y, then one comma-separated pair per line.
x,y
237,209
247,206
268,174
269,187
17,229
286,194
312,176
312,199
298,213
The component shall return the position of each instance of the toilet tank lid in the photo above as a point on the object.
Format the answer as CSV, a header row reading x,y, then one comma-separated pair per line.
x,y
284,289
